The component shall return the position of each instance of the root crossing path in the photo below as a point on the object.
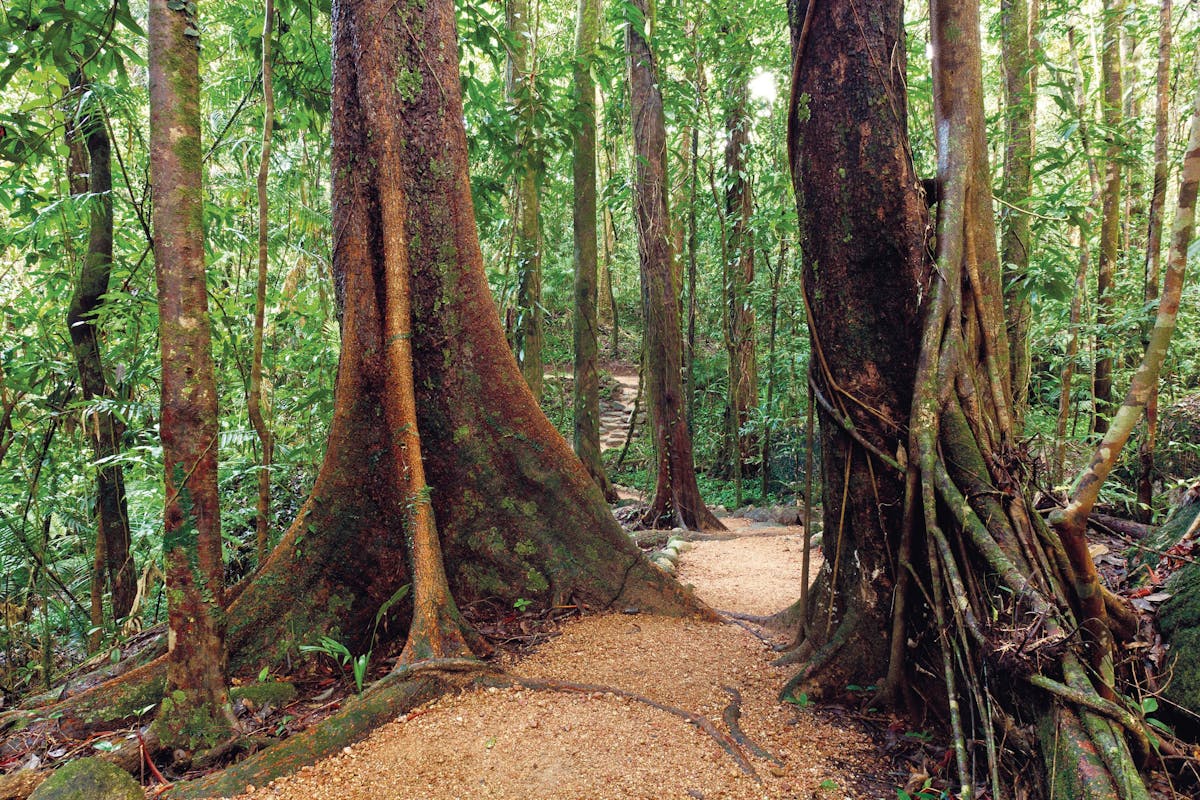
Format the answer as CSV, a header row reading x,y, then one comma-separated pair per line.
x,y
594,713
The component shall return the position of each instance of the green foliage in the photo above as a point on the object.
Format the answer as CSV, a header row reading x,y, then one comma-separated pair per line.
x,y
340,654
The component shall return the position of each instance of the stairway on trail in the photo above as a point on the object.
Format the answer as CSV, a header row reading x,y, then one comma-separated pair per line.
x,y
616,412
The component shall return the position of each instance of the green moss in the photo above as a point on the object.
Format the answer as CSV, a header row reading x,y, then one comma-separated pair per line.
x,y
535,581
89,779
1179,620
275,693
192,726
129,701
408,84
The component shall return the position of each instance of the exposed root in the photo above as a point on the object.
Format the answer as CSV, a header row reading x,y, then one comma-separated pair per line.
x,y
733,620
732,717
404,688
727,743
117,701
818,660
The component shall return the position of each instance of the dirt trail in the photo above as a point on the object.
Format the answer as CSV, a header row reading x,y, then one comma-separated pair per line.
x,y
616,412
522,743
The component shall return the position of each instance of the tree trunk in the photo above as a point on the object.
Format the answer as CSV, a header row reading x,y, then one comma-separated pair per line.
x,y
949,513
254,400
739,274
103,427
1158,196
1110,222
1067,374
861,284
520,85
587,383
1018,39
676,499
195,710
608,298
772,328
693,245
519,516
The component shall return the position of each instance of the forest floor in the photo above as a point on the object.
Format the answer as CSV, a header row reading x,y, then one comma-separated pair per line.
x,y
521,743
616,739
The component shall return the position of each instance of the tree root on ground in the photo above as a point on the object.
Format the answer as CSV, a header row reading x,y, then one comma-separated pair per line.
x,y
108,704
732,717
1074,765
734,619
404,688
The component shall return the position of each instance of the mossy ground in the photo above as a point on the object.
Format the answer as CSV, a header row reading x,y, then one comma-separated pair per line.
x,y
89,779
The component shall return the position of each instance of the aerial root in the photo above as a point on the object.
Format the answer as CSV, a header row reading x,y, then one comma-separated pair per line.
x,y
727,742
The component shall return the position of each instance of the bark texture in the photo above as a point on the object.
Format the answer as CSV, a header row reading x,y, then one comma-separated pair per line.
x,y
254,401
864,266
739,273
195,710
1158,197
1110,222
677,500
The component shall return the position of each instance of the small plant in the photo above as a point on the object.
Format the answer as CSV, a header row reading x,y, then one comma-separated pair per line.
x,y
522,603
1149,706
798,699
341,655
926,792
828,785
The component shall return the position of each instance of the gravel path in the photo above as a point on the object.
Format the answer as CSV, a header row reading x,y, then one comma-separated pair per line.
x,y
521,743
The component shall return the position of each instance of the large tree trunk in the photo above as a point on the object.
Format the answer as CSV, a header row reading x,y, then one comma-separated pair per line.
x,y
862,281
519,515
103,427
972,569
676,499
195,711
587,349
